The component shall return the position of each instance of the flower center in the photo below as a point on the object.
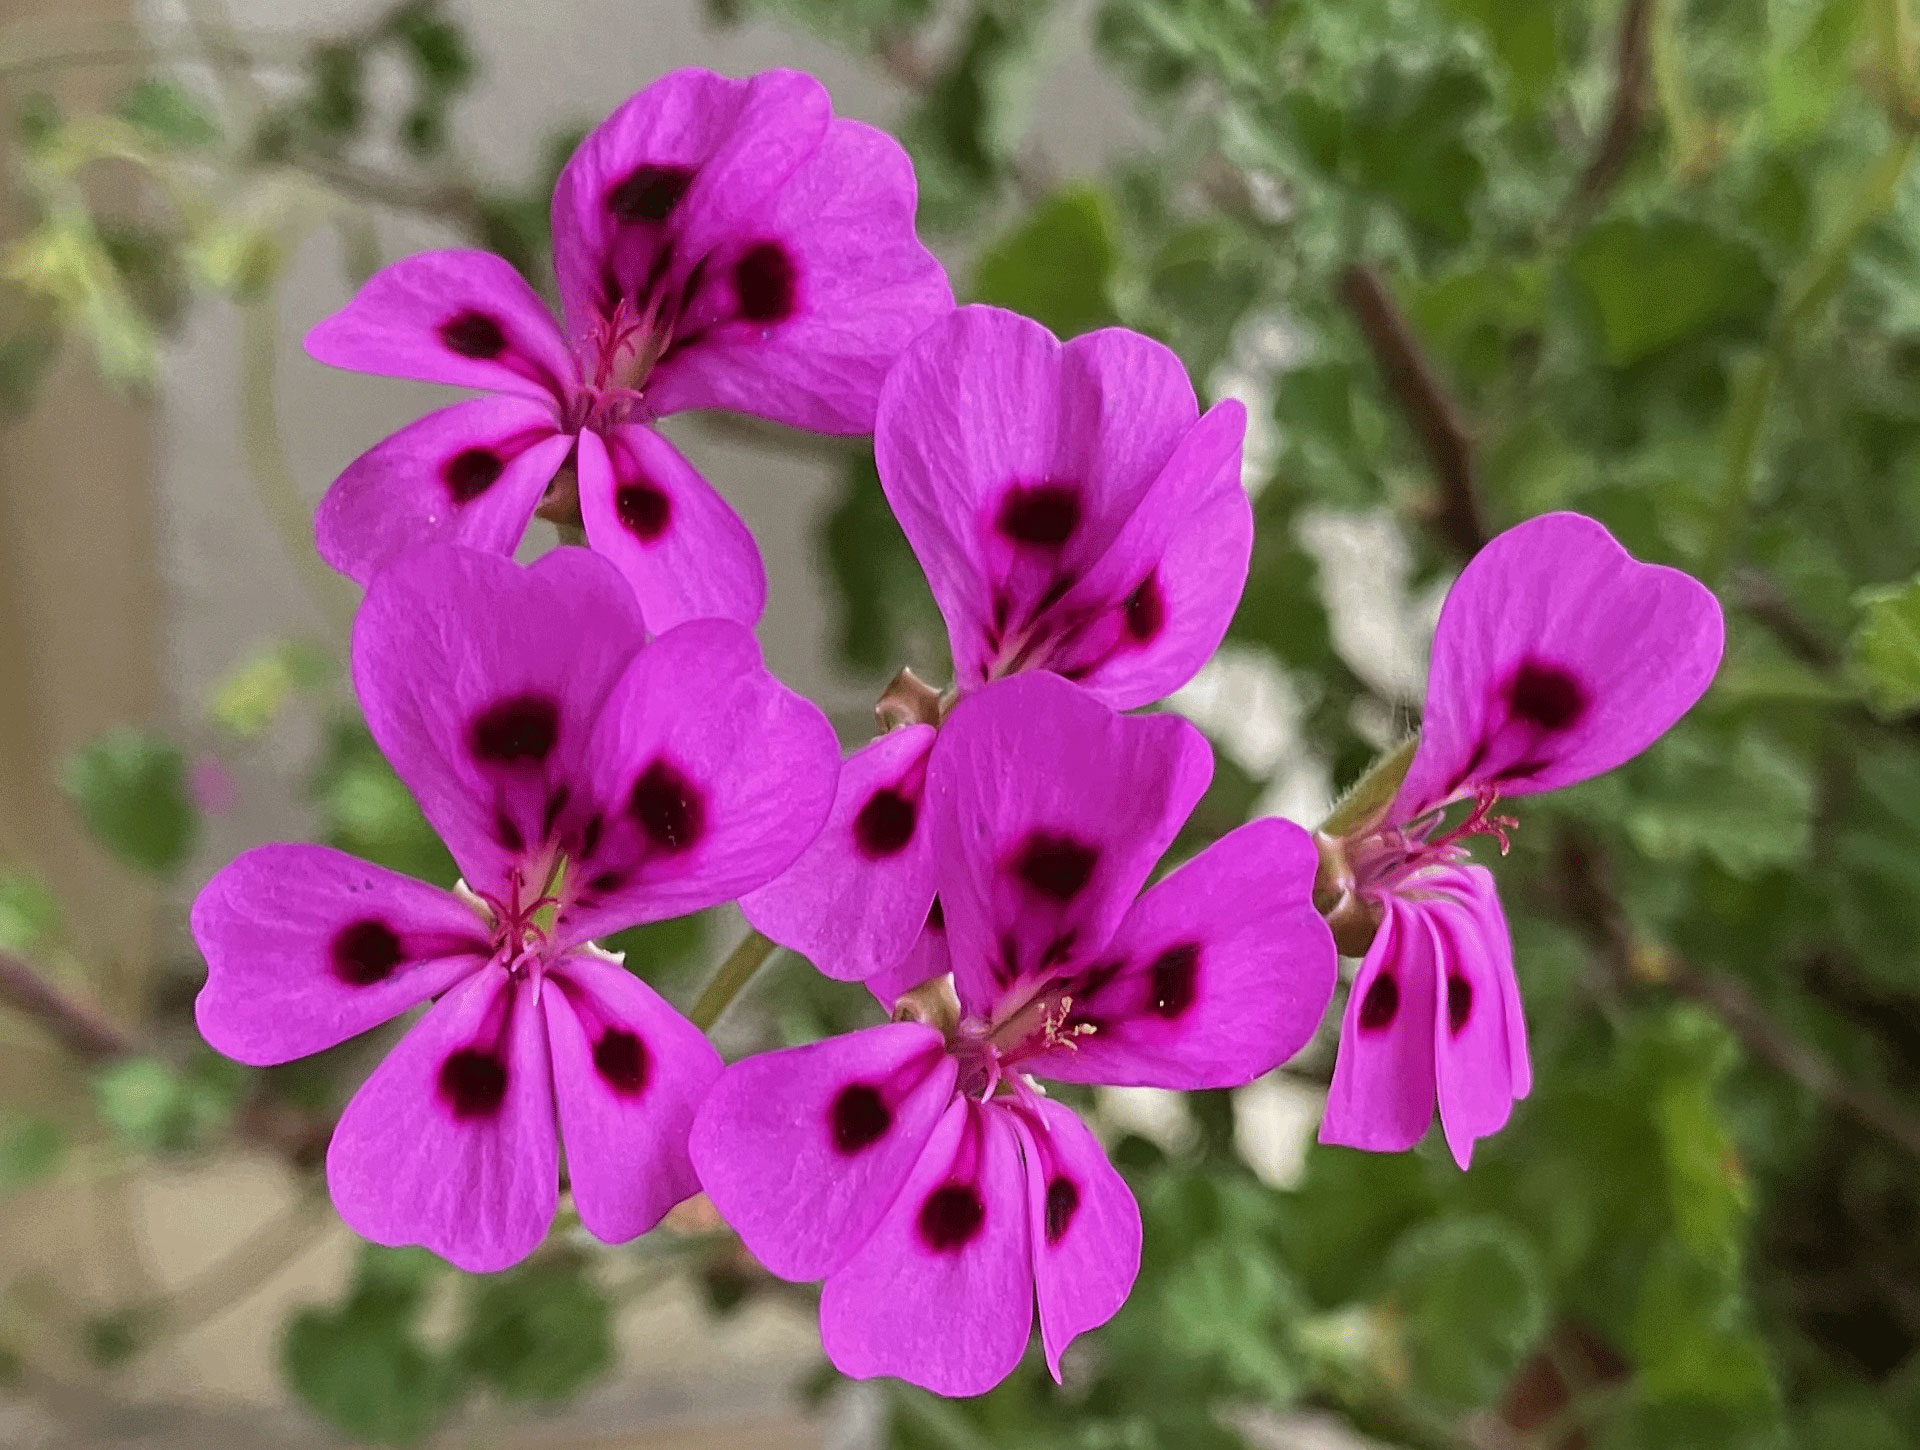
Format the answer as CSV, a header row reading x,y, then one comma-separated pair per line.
x,y
1383,860
522,921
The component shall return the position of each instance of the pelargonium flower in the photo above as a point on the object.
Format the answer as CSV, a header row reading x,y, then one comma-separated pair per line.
x,y
719,244
1558,656
584,781
1074,513
922,1173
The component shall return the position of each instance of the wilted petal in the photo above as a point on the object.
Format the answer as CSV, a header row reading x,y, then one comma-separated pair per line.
x,y
1381,1097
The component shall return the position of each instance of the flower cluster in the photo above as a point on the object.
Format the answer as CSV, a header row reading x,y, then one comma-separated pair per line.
x,y
599,744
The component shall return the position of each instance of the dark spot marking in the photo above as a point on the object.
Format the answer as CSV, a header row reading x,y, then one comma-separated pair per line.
x,y
556,802
471,472
1173,980
474,1083
1546,695
1055,865
622,1062
1059,949
860,1118
1146,610
520,729
507,832
1459,1002
365,952
644,509
590,834
764,280
473,334
650,193
667,807
885,823
1043,516
607,881
952,1215
1382,1002
1062,584
1063,1201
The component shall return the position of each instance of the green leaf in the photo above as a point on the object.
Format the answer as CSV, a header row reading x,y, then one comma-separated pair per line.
x,y
170,113
30,1149
1057,265
1748,805
1472,1302
1884,653
887,616
1525,35
152,1107
131,790
249,698
1708,1186
538,1332
29,915
1693,1342
1655,283
1409,140
1236,1307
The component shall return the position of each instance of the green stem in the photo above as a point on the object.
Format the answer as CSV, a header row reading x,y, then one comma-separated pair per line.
x,y
735,972
1373,792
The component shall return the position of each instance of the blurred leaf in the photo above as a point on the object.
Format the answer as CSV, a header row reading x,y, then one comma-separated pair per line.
x,y
1057,265
1693,1342
1748,806
131,791
1655,283
30,1149
1409,140
29,914
335,100
152,1107
884,601
249,698
1525,34
538,1332
1710,1193
365,810
64,261
1236,1307
1472,1301
1884,654
170,114
436,48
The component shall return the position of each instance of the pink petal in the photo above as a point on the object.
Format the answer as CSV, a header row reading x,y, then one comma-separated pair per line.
x,y
471,474
481,681
1480,1035
629,1072
1220,973
707,777
459,317
856,900
1083,1223
1558,656
928,958
809,301
676,170
1381,1097
942,1294
804,1151
450,1142
1015,463
307,946
1048,811
682,547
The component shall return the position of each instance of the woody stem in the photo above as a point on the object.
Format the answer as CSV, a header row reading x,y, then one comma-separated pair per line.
x,y
725,984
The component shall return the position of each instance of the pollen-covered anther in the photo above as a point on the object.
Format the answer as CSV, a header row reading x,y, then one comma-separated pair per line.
x,y
1054,1028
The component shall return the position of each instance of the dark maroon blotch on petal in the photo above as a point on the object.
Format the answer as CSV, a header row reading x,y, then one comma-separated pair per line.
x,y
668,807
1146,611
1063,1201
507,831
365,952
621,1060
1055,865
473,1083
860,1117
1459,1002
649,193
1044,515
474,334
764,280
1546,695
1172,980
521,729
1381,1004
605,882
471,472
951,1216
643,509
885,823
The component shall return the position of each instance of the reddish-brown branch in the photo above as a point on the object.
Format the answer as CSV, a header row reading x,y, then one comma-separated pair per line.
x,y
79,1029
1416,385
1632,71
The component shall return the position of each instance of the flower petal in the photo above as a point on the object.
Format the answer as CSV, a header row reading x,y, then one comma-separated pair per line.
x,y
856,900
1536,685
450,1142
460,317
942,1294
1479,1033
677,168
1048,811
471,474
1083,1223
803,1151
684,550
307,946
1014,463
1220,973
804,308
1381,1097
628,1072
481,681
928,958
708,778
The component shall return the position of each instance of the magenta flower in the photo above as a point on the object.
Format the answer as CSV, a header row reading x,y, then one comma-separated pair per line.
x,y
923,1174
584,782
1074,513
718,244
1558,657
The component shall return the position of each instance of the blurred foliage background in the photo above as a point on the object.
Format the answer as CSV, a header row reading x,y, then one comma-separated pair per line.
x,y
1467,261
